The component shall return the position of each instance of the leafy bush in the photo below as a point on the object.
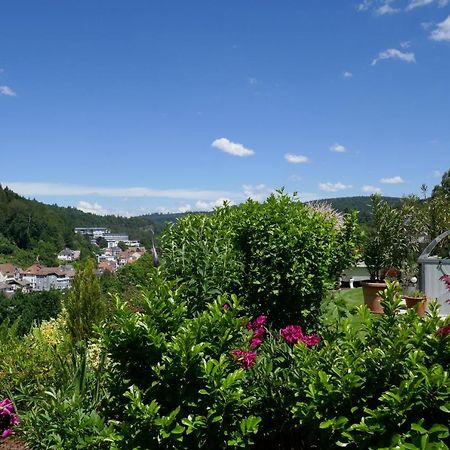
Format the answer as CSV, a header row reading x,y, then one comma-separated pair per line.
x,y
174,382
69,417
30,309
375,381
279,256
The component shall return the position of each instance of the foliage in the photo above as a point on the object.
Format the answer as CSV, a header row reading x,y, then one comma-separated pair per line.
x,y
199,252
386,243
375,380
174,382
279,256
30,309
32,363
69,416
84,306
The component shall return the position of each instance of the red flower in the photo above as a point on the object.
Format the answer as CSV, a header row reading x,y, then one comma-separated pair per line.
x,y
443,331
258,323
292,333
311,340
255,342
247,359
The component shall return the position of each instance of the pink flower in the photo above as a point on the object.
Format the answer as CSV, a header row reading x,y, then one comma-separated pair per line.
x,y
7,404
444,331
311,340
292,333
6,433
446,280
8,418
226,306
247,359
259,322
255,342
259,333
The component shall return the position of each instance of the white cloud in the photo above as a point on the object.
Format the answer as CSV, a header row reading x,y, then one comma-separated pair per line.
x,y
347,74
405,44
93,208
365,5
232,148
338,148
437,174
385,9
393,53
371,189
296,159
442,31
258,192
333,187
57,189
393,180
208,206
6,90
295,178
413,4
184,208
253,81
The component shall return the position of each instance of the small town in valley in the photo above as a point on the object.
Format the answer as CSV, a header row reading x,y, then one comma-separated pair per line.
x,y
119,251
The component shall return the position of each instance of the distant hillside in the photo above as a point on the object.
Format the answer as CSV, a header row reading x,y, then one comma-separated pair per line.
x,y
29,228
361,203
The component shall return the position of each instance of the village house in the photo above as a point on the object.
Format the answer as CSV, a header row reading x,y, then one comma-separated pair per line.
x,y
68,255
43,278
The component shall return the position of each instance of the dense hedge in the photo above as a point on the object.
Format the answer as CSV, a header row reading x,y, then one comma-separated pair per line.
x,y
279,256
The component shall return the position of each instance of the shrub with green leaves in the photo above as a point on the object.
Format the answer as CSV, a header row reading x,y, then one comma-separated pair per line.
x,y
377,382
70,416
174,382
279,256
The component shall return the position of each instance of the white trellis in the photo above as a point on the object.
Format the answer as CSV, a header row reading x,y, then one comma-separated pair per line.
x,y
432,269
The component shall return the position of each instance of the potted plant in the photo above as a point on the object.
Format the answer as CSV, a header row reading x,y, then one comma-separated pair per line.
x,y
384,250
416,299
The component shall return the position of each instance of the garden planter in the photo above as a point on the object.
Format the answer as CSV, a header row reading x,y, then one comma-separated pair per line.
x,y
371,297
411,302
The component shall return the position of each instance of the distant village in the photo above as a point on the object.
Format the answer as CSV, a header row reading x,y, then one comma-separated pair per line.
x,y
120,251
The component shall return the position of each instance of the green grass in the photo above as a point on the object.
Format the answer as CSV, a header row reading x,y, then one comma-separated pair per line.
x,y
352,297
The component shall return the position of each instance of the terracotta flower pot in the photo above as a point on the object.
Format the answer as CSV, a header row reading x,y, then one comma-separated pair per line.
x,y
371,297
411,302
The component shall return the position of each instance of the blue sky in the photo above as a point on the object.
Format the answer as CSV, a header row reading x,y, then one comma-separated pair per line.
x,y
175,105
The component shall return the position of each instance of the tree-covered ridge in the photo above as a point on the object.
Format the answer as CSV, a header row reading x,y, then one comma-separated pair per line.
x,y
361,203
30,229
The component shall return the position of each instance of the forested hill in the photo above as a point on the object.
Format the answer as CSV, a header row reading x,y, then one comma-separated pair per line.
x,y
29,228
361,203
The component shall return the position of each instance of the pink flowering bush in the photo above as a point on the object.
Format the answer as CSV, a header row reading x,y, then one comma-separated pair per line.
x,y
293,334
246,358
8,418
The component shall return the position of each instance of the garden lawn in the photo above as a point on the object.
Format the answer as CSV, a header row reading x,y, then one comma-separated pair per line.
x,y
352,297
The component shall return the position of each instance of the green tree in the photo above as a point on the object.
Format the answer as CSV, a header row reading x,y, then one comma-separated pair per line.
x,y
122,245
444,187
85,307
101,242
